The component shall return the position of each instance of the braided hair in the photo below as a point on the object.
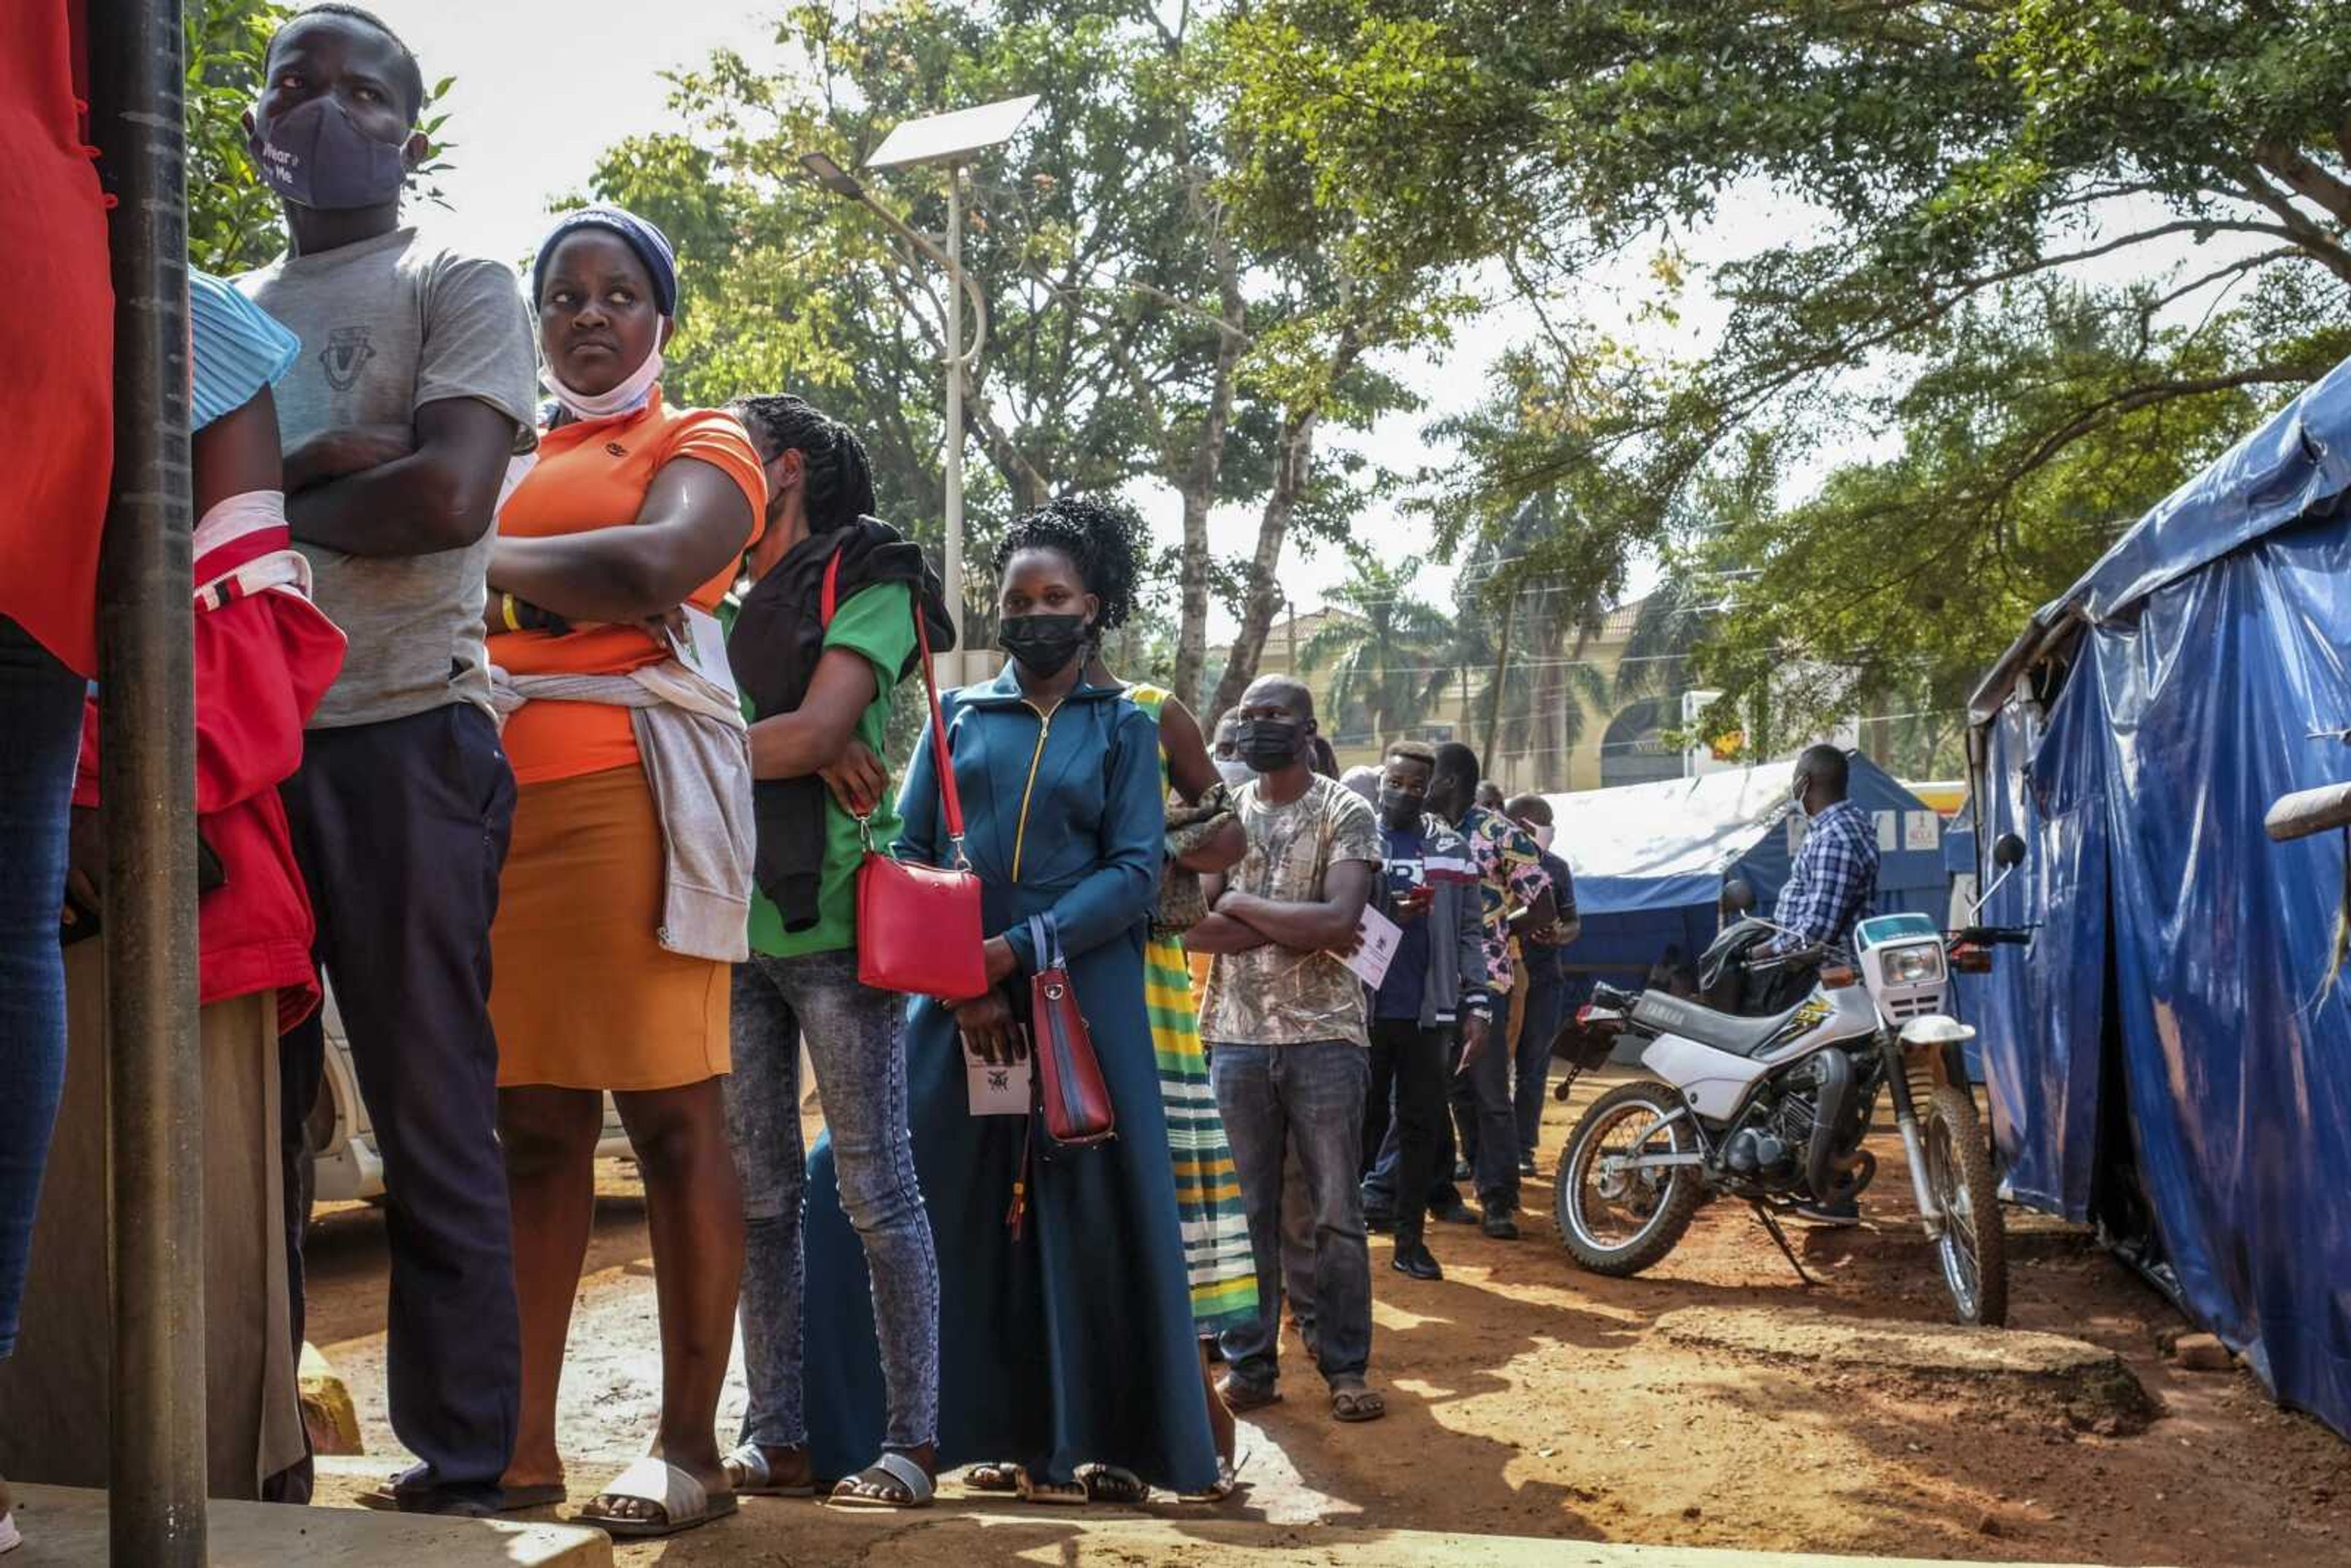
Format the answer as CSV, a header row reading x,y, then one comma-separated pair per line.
x,y
839,486
1103,538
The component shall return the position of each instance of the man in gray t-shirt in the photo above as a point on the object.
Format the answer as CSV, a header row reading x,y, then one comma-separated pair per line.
x,y
400,339
1283,1023
412,388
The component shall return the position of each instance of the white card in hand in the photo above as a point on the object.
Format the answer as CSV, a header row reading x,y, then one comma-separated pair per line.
x,y
701,647
995,1090
1381,936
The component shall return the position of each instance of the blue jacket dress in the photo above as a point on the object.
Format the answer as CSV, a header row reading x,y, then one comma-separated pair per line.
x,y
1075,1342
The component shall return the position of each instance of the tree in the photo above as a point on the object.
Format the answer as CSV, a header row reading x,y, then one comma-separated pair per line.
x,y
1133,337
232,215
1382,647
2064,247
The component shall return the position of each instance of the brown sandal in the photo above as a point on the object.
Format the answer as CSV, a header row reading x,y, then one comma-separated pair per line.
x,y
1357,1403
1240,1398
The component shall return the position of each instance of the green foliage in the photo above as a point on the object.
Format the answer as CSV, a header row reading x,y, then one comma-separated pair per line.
x,y
1980,216
232,216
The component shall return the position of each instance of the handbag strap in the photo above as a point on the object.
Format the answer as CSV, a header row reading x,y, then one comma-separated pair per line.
x,y
942,760
1046,938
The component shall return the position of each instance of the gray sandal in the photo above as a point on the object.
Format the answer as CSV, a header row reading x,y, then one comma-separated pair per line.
x,y
865,1489
748,1469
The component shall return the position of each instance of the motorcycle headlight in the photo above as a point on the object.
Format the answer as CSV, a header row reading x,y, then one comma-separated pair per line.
x,y
1919,966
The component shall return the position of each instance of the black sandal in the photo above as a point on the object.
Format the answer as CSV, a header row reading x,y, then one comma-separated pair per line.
x,y
1109,1484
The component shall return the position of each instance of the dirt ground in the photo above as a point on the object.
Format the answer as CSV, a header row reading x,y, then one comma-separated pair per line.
x,y
1530,1398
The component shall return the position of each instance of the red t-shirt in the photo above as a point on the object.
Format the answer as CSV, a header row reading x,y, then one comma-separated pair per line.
x,y
59,345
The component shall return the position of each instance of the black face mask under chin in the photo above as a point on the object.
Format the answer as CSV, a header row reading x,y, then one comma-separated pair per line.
x,y
1043,644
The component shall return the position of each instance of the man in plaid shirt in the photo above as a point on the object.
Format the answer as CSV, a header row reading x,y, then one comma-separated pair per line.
x,y
1834,879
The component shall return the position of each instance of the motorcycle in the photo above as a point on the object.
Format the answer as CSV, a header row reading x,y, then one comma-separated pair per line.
x,y
1775,1108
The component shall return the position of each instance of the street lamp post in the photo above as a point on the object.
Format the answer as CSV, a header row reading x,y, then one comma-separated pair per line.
x,y
953,139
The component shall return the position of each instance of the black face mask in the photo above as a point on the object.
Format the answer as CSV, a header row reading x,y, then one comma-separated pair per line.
x,y
1268,744
1400,811
1043,643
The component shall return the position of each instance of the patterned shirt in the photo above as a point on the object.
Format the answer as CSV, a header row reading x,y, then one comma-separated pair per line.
x,y
1510,872
1834,880
1273,995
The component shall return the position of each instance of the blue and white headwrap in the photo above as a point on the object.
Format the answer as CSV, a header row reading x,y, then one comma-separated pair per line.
x,y
642,236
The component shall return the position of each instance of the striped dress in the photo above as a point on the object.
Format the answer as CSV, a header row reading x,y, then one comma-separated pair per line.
x,y
1207,1187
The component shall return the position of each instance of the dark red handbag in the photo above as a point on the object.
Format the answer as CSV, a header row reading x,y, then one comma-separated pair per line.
x,y
1070,1087
918,927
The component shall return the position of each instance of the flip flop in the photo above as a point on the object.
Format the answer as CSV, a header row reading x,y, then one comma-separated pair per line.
x,y
1357,1403
685,1502
394,1497
861,1489
1111,1485
748,1468
546,1494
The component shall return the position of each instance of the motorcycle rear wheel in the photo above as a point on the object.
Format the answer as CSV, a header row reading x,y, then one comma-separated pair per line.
x,y
1659,1204
1973,1247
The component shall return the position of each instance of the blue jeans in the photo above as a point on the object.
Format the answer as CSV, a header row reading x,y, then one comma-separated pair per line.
x,y
857,1044
40,720
1310,1098
1545,1001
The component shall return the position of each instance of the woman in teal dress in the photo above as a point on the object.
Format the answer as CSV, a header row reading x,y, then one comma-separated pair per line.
x,y
1070,1339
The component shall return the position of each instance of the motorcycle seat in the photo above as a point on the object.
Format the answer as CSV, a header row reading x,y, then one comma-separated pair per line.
x,y
1723,1032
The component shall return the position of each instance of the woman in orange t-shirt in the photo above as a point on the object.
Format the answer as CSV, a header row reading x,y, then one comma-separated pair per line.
x,y
631,509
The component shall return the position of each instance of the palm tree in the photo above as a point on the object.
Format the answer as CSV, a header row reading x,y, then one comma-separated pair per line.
x,y
1549,691
1385,649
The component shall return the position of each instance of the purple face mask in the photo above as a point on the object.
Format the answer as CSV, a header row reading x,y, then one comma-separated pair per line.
x,y
313,156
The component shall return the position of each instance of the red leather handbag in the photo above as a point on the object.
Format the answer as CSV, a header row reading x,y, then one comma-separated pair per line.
x,y
1070,1085
918,927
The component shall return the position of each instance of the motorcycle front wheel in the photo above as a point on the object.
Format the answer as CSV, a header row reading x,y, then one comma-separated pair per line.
x,y
1619,1222
1974,1248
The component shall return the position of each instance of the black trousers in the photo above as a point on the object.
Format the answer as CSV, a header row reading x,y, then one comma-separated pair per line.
x,y
1488,1120
401,828
1407,1075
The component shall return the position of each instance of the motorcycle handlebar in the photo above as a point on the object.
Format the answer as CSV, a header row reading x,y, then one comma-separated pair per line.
x,y
1608,996
1995,936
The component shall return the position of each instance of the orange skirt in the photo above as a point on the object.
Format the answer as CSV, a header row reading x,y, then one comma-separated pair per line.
x,y
582,995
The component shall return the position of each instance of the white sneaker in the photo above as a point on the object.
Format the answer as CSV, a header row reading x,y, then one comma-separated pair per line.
x,y
9,1538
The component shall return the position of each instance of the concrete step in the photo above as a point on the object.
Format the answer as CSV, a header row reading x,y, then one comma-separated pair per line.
x,y
66,1525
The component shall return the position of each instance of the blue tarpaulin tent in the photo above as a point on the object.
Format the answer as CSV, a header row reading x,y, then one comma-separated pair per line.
x,y
2169,1061
1650,859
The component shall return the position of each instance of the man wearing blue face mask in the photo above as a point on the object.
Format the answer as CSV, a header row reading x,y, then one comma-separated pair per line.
x,y
413,388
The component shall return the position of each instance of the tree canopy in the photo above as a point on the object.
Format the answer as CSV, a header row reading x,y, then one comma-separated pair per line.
x,y
2045,257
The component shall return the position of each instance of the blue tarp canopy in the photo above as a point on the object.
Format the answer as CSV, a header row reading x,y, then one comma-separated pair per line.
x,y
1650,859
2168,1059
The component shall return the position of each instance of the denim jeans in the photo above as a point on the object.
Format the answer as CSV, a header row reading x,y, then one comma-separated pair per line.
x,y
1544,1001
1272,1098
40,739
857,1045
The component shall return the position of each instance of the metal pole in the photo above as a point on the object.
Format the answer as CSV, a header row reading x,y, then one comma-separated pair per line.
x,y
147,783
954,409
